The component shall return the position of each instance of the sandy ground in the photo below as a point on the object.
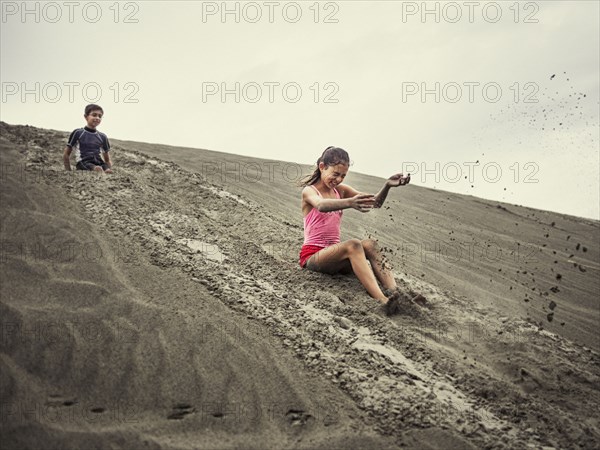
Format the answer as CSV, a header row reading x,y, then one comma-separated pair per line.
x,y
163,307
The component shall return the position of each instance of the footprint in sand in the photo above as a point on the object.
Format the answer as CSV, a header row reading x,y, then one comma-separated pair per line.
x,y
180,410
297,417
57,400
527,381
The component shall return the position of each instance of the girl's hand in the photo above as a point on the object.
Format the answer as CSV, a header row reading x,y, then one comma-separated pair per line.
x,y
398,180
362,202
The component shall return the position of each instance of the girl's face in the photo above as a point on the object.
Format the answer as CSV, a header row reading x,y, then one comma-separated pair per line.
x,y
333,175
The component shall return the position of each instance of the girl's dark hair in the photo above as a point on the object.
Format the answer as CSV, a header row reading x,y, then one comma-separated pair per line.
x,y
330,157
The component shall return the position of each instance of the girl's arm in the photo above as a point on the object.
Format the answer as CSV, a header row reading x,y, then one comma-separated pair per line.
x,y
360,202
382,195
393,181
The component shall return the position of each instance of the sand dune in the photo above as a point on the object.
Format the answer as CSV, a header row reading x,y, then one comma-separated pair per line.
x,y
163,307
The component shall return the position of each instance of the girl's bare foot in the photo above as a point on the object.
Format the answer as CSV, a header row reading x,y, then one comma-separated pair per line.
x,y
416,298
392,306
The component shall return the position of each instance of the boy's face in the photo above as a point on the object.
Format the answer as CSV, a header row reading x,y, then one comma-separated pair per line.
x,y
94,118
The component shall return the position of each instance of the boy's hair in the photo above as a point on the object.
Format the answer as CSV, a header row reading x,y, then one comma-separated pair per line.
x,y
92,107
332,156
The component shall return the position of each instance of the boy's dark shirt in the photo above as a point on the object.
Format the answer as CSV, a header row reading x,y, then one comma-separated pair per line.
x,y
88,143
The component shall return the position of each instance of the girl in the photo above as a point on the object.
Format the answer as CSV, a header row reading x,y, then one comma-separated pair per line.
x,y
323,199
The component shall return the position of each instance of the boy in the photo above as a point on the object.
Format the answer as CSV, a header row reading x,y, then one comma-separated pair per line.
x,y
88,143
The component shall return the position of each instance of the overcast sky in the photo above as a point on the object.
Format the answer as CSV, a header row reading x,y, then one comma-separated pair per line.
x,y
503,93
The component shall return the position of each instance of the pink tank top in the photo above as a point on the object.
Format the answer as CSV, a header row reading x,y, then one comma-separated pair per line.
x,y
322,229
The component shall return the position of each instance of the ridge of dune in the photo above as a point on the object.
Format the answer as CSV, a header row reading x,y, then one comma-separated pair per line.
x,y
467,372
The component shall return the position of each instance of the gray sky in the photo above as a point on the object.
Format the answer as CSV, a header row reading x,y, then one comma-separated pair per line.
x,y
346,73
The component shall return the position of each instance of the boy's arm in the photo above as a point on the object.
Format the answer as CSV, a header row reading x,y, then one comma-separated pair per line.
x,y
66,156
106,157
106,153
73,138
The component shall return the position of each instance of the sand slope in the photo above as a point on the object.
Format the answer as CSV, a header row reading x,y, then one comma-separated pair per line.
x,y
163,307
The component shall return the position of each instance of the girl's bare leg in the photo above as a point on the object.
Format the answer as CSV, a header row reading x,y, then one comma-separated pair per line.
x,y
383,271
380,268
337,258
